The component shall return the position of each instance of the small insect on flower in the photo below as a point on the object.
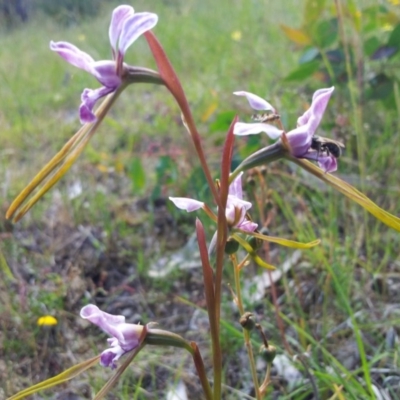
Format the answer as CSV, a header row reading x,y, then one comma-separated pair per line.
x,y
265,117
327,146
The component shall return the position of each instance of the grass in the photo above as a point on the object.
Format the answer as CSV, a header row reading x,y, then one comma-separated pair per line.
x,y
340,298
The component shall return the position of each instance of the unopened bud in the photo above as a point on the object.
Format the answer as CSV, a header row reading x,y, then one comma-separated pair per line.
x,y
255,243
268,353
247,321
231,246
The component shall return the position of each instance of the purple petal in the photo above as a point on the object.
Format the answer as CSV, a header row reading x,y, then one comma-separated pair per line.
x,y
86,115
135,26
73,55
238,203
312,117
248,226
93,314
125,337
256,102
103,320
89,98
326,162
299,140
109,357
119,16
131,334
231,214
235,188
243,129
186,204
236,210
105,72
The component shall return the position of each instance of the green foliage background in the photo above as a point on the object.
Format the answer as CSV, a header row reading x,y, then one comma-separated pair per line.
x,y
142,154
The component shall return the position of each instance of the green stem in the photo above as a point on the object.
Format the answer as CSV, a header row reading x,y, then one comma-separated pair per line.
x,y
263,156
246,333
267,379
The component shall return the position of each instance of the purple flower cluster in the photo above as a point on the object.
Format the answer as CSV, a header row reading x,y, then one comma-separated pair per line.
x,y
300,138
236,207
125,337
125,28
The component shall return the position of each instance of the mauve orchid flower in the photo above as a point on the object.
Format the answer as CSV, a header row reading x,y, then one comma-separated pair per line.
x,y
125,337
125,28
300,138
236,207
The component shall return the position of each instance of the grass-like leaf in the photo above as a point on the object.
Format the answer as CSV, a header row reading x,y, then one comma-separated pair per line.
x,y
351,192
58,379
60,164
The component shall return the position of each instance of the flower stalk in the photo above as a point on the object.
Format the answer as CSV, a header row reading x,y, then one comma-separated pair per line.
x,y
246,333
209,292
